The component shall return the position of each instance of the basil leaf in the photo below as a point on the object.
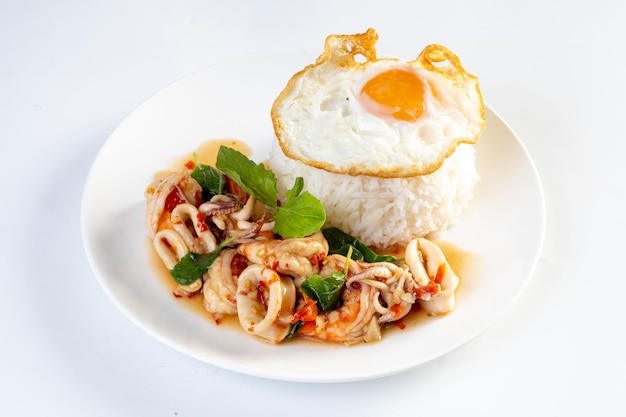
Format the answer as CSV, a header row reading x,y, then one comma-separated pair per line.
x,y
254,179
294,329
337,241
193,265
301,216
210,179
356,254
325,291
296,190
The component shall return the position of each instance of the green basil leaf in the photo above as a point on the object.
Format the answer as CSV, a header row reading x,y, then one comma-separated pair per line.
x,y
193,265
255,179
356,254
337,241
296,189
294,329
301,216
210,179
326,291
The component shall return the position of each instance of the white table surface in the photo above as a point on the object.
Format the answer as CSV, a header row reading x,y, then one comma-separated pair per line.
x,y
70,71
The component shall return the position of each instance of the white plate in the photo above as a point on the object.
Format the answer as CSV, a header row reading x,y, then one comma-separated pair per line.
x,y
503,229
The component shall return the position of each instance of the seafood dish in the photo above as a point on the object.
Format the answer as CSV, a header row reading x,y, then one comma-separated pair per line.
x,y
298,246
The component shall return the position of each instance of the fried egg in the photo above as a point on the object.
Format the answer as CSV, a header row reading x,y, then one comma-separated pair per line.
x,y
351,113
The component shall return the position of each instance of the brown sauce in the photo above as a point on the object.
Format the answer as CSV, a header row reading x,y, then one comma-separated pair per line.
x,y
205,154
207,151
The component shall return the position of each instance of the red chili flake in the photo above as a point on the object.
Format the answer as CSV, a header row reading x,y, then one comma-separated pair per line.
x,y
262,288
396,309
173,199
308,312
166,243
317,259
430,289
307,329
190,165
201,222
238,264
440,272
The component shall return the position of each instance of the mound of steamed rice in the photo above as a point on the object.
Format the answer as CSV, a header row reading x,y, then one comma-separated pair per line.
x,y
384,212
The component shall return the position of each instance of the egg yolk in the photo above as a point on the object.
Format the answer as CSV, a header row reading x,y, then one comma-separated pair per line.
x,y
397,93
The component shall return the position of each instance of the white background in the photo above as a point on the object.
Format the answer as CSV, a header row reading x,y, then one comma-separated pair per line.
x,y
70,71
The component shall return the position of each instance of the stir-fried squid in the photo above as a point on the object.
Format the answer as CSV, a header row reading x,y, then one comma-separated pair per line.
x,y
265,302
257,276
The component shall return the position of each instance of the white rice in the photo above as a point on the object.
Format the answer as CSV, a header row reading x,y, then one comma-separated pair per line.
x,y
383,212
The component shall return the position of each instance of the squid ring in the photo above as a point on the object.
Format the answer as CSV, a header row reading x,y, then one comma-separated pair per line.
x,y
265,302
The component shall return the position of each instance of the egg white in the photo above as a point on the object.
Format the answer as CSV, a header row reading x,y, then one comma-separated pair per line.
x,y
322,120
